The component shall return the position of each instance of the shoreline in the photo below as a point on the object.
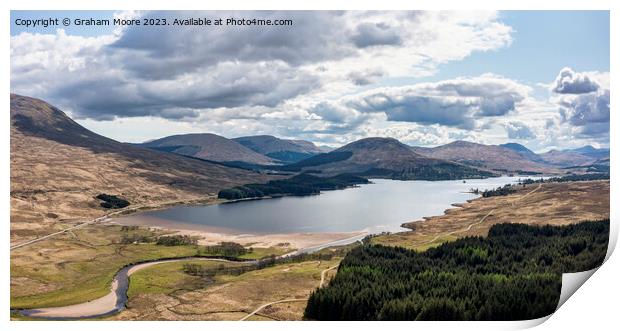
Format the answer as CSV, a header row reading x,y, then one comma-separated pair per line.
x,y
297,240
214,235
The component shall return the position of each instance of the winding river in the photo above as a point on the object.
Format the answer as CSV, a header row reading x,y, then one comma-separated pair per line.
x,y
111,303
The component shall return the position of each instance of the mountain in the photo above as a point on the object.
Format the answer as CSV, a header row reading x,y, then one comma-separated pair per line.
x,y
597,153
325,148
488,157
582,156
384,158
63,166
285,150
208,146
566,158
524,151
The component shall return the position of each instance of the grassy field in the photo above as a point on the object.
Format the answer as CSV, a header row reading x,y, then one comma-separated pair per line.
x,y
166,292
78,266
549,203
167,278
259,252
403,239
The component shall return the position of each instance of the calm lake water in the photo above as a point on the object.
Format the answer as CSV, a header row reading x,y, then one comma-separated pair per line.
x,y
381,206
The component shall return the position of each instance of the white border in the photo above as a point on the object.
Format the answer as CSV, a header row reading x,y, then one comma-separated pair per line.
x,y
593,306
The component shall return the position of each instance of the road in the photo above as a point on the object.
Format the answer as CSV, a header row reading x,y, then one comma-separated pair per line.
x,y
103,218
325,273
98,219
269,304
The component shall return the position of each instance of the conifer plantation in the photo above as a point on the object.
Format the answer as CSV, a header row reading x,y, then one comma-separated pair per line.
x,y
513,274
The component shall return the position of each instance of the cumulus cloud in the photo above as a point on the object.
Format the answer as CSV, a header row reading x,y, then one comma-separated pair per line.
x,y
589,111
519,130
369,34
182,72
162,52
365,77
570,82
458,102
584,101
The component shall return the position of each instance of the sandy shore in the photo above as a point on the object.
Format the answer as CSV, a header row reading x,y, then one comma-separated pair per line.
x,y
213,235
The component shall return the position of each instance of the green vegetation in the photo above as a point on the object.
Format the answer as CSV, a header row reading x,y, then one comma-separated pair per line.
x,y
513,274
568,178
303,184
528,173
177,240
597,167
317,160
78,276
442,171
289,156
510,188
225,248
500,191
131,234
194,269
167,278
112,201
253,253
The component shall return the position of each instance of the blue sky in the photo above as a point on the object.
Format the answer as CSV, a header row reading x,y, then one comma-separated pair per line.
x,y
544,42
463,75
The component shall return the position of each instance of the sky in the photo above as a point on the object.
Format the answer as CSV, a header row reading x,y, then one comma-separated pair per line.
x,y
539,78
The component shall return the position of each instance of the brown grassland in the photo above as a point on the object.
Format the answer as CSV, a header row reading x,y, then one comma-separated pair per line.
x,y
534,204
164,292
79,265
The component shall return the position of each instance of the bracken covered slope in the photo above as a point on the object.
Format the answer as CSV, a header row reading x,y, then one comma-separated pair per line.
x,y
58,167
488,157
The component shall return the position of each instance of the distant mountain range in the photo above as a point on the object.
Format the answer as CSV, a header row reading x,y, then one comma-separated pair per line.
x,y
488,157
598,153
259,150
387,158
42,134
208,146
268,150
524,151
284,150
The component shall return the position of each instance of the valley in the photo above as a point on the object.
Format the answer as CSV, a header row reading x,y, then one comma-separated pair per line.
x,y
313,208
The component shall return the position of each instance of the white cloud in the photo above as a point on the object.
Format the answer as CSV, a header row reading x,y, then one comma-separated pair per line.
x,y
583,99
519,130
320,79
570,82
178,72
458,102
